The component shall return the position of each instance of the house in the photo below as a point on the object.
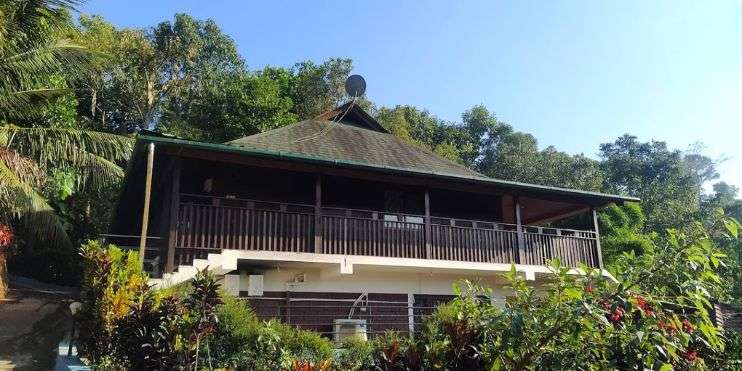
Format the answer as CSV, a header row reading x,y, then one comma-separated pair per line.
x,y
334,221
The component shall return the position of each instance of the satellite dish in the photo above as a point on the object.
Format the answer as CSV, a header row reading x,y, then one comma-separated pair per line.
x,y
355,86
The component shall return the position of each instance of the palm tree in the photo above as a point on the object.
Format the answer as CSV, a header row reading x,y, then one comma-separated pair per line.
x,y
32,48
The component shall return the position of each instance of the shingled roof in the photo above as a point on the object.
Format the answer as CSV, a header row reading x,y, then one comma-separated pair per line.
x,y
348,133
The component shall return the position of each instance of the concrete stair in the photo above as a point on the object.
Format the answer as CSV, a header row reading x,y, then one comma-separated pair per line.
x,y
215,263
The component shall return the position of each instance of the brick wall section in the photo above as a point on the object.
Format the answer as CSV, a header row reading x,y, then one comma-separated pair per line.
x,y
384,311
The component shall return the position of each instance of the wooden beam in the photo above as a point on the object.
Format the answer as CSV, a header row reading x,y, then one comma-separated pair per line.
x,y
318,215
556,215
519,229
428,254
174,208
597,238
147,194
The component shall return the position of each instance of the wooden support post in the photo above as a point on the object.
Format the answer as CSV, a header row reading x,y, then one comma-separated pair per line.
x,y
428,252
519,228
147,192
174,221
318,215
597,238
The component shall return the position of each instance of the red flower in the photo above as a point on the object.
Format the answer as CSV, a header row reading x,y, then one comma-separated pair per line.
x,y
687,326
673,329
641,302
589,288
691,355
617,315
6,235
667,326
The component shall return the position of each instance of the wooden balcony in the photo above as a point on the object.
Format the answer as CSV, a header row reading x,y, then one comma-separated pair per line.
x,y
209,224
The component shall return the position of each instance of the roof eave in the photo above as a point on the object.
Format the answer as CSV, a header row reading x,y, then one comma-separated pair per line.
x,y
281,155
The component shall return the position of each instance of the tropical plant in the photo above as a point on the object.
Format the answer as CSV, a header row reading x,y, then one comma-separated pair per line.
x,y
355,354
146,338
202,305
113,282
6,238
33,47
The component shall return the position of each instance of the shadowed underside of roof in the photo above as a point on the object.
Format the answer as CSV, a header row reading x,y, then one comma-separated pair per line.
x,y
348,142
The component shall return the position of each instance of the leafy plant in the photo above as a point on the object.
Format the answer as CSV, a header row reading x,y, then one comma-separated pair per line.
x,y
355,354
146,338
202,305
112,283
396,353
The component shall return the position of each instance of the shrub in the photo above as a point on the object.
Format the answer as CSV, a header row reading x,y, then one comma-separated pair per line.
x,y
201,306
303,345
393,352
355,354
234,341
146,338
112,282
454,335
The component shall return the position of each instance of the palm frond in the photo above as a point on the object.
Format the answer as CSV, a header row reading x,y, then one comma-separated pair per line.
x,y
95,172
94,156
19,200
30,19
25,169
21,70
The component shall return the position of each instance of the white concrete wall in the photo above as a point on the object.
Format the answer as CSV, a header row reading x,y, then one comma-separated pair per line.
x,y
382,282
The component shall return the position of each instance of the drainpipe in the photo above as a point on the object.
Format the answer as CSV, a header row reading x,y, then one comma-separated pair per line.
x,y
147,191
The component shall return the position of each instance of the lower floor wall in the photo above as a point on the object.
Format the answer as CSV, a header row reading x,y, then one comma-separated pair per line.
x,y
314,298
318,310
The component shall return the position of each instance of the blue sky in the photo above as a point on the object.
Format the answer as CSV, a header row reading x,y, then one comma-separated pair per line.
x,y
574,74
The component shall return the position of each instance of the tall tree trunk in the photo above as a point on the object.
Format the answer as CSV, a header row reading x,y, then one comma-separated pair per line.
x,y
3,272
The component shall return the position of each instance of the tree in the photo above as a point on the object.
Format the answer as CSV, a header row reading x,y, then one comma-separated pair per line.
x,y
668,182
32,48
186,78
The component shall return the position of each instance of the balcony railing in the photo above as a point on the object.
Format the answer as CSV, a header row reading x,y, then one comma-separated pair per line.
x,y
213,224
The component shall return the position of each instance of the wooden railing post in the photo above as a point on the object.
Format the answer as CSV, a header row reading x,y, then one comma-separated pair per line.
x,y
318,215
519,229
174,214
597,238
428,252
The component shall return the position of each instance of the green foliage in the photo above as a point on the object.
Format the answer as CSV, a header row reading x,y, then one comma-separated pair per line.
x,y
450,334
354,354
36,59
655,316
201,305
241,341
146,338
112,283
622,230
238,328
393,352
668,182
34,47
185,77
